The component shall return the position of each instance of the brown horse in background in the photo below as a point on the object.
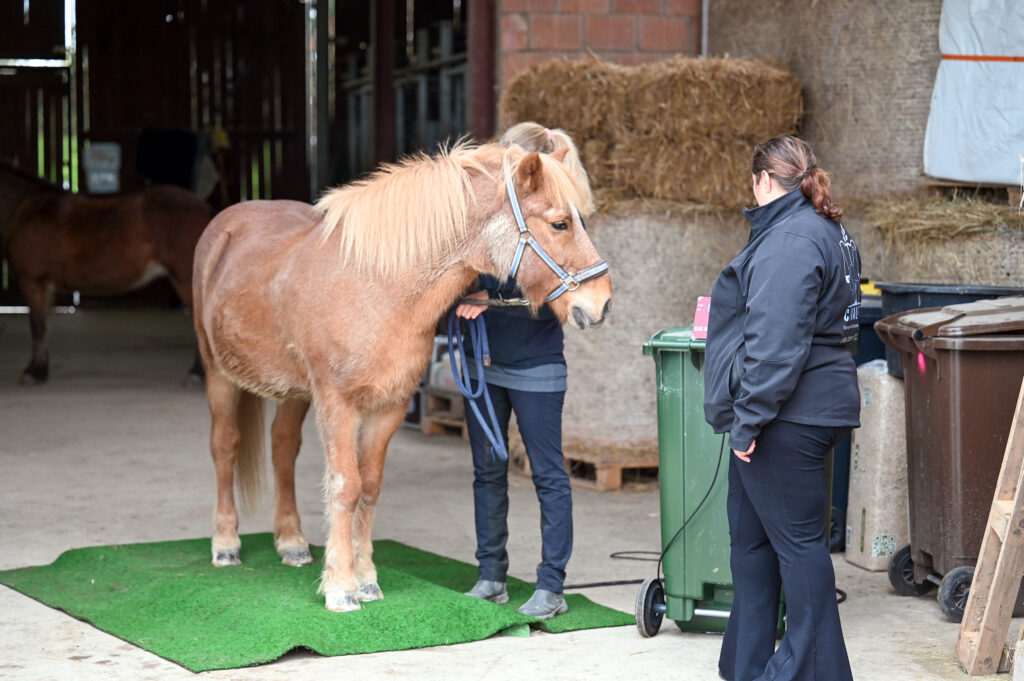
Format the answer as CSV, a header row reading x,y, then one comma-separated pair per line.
x,y
338,304
99,245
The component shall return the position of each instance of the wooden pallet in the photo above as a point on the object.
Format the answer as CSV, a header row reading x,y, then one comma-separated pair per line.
x,y
604,467
442,411
981,646
1012,193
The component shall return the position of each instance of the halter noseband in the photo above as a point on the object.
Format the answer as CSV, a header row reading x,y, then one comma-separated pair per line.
x,y
570,282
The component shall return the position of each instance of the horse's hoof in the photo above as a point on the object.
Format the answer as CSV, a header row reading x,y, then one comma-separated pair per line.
x,y
31,379
296,557
369,592
226,558
342,601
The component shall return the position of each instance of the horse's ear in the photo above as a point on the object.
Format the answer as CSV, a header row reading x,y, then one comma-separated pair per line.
x,y
529,171
559,155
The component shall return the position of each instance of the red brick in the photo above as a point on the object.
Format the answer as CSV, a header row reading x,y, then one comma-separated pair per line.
x,y
585,6
513,41
637,58
555,32
515,63
513,33
513,22
636,6
528,6
611,33
683,8
666,33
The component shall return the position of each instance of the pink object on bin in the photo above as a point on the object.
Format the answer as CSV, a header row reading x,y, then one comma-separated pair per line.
x,y
700,319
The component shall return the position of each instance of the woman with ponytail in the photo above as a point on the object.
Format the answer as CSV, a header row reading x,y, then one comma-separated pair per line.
x,y
780,381
526,375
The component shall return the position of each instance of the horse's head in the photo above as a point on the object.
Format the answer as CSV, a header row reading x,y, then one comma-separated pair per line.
x,y
560,266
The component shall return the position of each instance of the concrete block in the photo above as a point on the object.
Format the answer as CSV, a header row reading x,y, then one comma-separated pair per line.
x,y
877,515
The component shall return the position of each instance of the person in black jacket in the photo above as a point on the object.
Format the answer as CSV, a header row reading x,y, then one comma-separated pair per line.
x,y
781,382
527,375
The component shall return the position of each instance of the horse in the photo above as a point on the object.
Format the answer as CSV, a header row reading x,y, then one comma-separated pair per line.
x,y
337,304
95,244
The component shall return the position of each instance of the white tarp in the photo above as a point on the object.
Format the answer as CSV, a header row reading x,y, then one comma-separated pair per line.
x,y
976,125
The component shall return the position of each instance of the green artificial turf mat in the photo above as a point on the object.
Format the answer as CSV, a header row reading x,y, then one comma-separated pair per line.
x,y
167,598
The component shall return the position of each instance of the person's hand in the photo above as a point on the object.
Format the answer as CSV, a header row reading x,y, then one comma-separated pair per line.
x,y
745,456
467,311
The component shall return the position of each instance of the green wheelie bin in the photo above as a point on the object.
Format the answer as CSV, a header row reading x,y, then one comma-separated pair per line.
x,y
698,582
693,472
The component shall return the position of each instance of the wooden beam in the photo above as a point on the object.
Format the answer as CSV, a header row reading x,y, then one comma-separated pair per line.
x,y
482,57
383,36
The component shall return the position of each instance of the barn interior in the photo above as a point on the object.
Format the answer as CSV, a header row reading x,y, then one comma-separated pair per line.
x,y
283,99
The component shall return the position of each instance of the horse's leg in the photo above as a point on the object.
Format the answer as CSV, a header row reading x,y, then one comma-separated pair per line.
x,y
342,488
196,375
183,287
286,438
39,296
374,435
225,437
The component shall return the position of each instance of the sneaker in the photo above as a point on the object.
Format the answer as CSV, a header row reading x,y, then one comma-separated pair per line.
x,y
489,591
544,605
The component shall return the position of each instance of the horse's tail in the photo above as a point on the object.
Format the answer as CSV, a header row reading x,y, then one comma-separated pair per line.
x,y
249,465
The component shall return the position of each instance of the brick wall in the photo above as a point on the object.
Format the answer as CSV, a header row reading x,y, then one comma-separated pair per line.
x,y
621,31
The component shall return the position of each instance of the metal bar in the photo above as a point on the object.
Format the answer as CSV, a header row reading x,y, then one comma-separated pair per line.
x,y
722,614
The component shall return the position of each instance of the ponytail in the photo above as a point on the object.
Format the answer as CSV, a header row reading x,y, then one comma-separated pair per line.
x,y
816,186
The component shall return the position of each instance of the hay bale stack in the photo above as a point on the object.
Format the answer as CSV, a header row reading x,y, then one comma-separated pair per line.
x,y
681,129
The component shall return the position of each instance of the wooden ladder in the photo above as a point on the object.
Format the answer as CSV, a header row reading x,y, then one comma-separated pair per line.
x,y
981,646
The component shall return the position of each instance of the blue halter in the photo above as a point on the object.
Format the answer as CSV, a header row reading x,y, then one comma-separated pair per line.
x,y
570,282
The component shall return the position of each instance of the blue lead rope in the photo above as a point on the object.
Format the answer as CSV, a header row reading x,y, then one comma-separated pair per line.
x,y
478,339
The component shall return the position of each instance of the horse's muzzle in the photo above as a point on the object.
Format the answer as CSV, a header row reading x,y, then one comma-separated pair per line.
x,y
585,321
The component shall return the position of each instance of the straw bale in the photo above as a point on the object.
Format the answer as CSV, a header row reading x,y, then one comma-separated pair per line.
x,y
682,129
958,239
684,96
711,170
583,97
912,219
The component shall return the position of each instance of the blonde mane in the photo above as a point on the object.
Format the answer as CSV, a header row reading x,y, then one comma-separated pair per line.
x,y
414,213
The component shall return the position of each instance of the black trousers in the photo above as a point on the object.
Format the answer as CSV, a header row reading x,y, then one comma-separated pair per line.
x,y
539,415
776,509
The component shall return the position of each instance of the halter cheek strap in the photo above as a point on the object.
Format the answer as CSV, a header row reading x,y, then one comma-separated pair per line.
x,y
570,282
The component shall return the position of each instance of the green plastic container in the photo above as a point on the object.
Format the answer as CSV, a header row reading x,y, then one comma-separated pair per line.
x,y
698,581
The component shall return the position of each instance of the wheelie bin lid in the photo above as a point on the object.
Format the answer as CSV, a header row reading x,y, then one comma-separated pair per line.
x,y
962,289
679,339
996,324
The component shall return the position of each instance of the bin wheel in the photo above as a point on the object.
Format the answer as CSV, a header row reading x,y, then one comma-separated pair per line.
x,y
837,531
954,590
901,575
650,607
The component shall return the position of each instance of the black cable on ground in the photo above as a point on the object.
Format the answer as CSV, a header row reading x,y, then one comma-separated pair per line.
x,y
636,555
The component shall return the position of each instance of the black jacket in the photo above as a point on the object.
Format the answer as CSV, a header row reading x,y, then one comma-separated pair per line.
x,y
782,313
516,338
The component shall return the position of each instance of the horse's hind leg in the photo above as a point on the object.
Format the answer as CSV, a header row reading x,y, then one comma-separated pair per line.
x,y
39,296
225,438
286,438
374,436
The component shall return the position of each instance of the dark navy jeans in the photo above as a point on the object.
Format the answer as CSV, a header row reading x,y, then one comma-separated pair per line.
x,y
776,509
539,415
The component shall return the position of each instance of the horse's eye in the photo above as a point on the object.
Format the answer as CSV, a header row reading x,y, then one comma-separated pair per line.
x,y
560,226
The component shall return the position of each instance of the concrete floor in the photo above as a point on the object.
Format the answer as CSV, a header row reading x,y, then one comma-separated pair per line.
x,y
114,450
